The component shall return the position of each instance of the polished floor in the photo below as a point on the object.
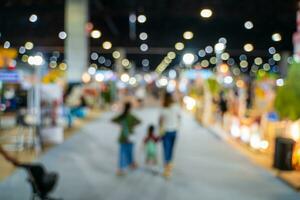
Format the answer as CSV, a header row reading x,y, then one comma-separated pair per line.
x,y
205,168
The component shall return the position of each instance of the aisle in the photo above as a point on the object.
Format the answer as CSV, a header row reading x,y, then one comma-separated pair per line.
x,y
205,168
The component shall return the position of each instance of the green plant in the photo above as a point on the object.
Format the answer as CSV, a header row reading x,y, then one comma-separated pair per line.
x,y
287,101
213,85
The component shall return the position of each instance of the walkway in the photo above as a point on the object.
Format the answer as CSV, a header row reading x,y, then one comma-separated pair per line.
x,y
205,168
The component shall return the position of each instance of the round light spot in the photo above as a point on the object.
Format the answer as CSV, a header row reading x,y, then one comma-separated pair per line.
x,y
62,35
142,19
206,13
96,34
33,18
143,36
107,45
248,47
179,46
188,58
248,25
188,35
116,54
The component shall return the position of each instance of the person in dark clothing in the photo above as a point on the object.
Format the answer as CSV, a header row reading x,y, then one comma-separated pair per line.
x,y
223,104
127,121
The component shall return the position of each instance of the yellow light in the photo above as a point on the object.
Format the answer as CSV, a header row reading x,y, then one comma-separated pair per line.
x,y
248,47
255,142
179,46
213,60
258,61
86,78
24,58
225,56
116,54
190,102
206,13
244,64
188,35
224,68
240,83
125,62
295,131
277,57
62,66
276,37
96,34
107,45
29,45
171,55
204,63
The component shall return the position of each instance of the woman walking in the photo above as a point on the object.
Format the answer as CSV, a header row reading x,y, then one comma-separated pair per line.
x,y
169,124
127,121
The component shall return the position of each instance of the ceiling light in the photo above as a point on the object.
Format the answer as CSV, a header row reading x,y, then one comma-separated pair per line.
x,y
219,47
33,18
248,25
248,47
179,46
142,19
272,50
125,62
96,34
171,55
145,62
62,35
107,45
144,47
28,45
188,58
258,61
143,36
188,35
116,54
206,13
94,56
276,37
209,49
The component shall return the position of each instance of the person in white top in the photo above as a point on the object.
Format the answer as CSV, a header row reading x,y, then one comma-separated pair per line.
x,y
169,124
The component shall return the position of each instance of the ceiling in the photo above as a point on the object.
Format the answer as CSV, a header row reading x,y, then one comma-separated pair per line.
x,y
166,22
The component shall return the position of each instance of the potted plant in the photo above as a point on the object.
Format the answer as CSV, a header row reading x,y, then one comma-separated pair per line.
x,y
287,103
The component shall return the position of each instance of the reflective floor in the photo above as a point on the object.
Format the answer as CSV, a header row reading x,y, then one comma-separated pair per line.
x,y
205,167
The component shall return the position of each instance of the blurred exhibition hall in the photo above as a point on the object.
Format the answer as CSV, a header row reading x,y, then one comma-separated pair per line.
x,y
149,99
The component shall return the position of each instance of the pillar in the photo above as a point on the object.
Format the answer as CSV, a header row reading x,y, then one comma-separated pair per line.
x,y
76,44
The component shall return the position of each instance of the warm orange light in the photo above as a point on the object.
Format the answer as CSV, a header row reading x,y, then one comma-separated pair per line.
x,y
240,83
224,68
296,157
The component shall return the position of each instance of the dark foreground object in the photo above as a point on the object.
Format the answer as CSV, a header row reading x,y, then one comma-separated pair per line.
x,y
283,153
41,181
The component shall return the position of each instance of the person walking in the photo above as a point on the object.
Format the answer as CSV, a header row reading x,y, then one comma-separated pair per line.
x,y
127,121
169,124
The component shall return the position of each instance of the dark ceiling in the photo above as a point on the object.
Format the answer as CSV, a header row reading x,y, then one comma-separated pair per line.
x,y
166,22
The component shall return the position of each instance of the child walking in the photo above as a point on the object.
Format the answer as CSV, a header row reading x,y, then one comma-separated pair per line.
x,y
150,146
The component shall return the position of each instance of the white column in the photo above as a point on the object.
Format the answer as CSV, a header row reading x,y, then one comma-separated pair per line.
x,y
76,45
